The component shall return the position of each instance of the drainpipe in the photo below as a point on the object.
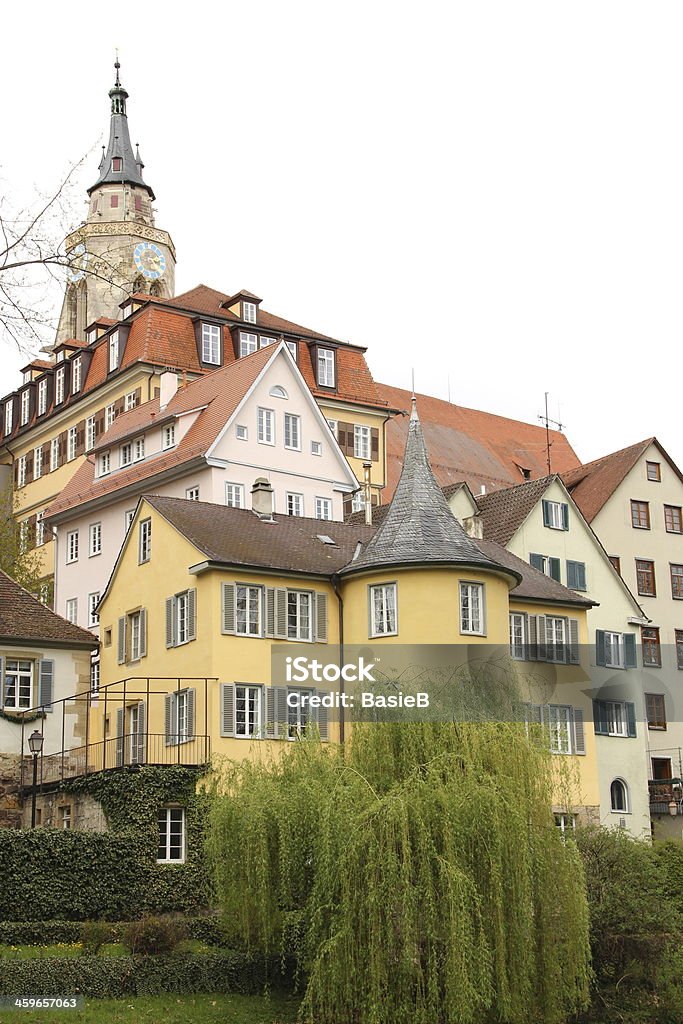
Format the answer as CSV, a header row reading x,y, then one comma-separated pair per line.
x,y
340,605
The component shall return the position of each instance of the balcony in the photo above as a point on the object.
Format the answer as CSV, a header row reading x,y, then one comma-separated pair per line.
x,y
664,793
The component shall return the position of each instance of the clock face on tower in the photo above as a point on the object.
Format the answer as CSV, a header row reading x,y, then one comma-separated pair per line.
x,y
149,260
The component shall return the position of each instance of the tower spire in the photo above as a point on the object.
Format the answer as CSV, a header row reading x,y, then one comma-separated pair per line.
x,y
119,163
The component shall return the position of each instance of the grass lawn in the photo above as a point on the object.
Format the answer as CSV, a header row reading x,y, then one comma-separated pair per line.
x,y
167,1010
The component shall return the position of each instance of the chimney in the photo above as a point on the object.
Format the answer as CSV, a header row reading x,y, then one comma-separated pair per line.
x,y
262,498
482,489
168,385
367,466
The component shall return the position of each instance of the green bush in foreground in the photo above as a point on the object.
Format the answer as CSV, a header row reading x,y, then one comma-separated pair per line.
x,y
152,935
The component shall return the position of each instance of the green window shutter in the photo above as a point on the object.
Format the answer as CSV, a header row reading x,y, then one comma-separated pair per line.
x,y
579,737
536,562
143,632
228,615
581,569
630,658
280,614
555,569
546,513
565,516
192,614
46,683
631,718
170,621
541,644
571,575
190,712
122,640
600,718
270,611
169,738
227,709
322,717
321,618
574,651
576,575
599,647
120,739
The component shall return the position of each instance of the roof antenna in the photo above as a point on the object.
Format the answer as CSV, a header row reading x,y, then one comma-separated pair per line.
x,y
413,400
546,422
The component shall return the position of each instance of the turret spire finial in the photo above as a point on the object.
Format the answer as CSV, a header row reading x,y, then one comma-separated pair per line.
x,y
117,66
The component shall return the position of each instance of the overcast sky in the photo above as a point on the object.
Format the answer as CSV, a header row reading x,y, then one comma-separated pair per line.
x,y
490,193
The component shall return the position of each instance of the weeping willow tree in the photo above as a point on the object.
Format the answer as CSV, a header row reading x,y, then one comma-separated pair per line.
x,y
416,876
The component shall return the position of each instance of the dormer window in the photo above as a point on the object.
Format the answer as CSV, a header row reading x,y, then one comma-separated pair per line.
x,y
168,436
59,386
126,455
76,371
9,412
126,310
249,312
139,449
291,345
105,463
42,396
248,343
211,344
116,163
114,351
25,406
326,375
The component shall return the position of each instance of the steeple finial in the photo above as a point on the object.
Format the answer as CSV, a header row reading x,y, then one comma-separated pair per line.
x,y
120,164
413,402
117,66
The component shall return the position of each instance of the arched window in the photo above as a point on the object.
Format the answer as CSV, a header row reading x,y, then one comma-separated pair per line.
x,y
278,392
619,796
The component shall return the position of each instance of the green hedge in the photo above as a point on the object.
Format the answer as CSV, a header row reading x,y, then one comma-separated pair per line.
x,y
49,933
117,977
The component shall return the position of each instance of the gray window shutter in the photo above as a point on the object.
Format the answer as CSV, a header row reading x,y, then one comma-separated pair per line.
x,y
281,614
192,614
138,741
322,717
270,611
190,712
574,652
228,614
599,647
600,718
579,739
541,643
168,720
534,714
122,640
170,622
630,650
532,639
46,683
536,562
227,707
581,573
571,575
281,716
270,723
143,632
565,516
631,718
119,736
546,513
321,618
556,569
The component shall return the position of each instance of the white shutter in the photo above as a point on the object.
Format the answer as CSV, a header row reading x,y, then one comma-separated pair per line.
x,y
46,680
119,736
270,722
322,716
190,712
574,652
169,738
143,632
281,614
281,717
227,708
138,741
192,614
541,639
270,611
321,618
122,640
170,622
579,740
228,612
532,638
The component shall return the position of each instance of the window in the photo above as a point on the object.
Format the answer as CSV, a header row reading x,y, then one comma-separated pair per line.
x,y
89,433
18,684
266,426
248,343
109,416
654,471
64,816
171,848
25,406
358,501
182,618
114,201
105,463
292,431
361,442
192,494
326,367
9,408
211,344
241,432
248,711
614,718
614,653
21,470
316,448
291,345
640,515
37,463
128,518
234,495
114,351
556,638
547,565
126,454
116,163
54,454
277,391
168,439
298,716
249,312
295,504
71,614
472,608
135,630
323,508
576,575
383,610
59,386
248,611
94,678
299,615
130,401
93,601
679,648
145,541
616,562
560,722
556,515
40,528
138,449
138,204
518,636
42,396
673,521
76,374
676,581
645,575
618,792
72,546
566,823
95,537
652,656
72,443
655,709
334,427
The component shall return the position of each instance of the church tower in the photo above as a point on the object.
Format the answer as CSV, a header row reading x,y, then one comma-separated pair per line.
x,y
117,250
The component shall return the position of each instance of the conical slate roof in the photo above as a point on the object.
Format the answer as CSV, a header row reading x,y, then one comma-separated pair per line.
x,y
419,526
130,171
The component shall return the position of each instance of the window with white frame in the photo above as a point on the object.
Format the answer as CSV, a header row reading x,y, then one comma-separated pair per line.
x,y
295,504
139,449
93,601
241,432
114,351
291,345
109,416
9,409
277,391
334,427
72,546
247,711
59,386
105,463
556,515
383,609
518,636
248,343
234,495
316,448
42,396
617,721
145,541
358,501
40,528
94,678
266,426
292,431
126,454
472,608
71,613
614,650
168,436
266,342
95,539
76,373
248,610
618,792
211,344
192,494
135,634
65,817
89,433
21,470
299,615
326,367
556,638
37,462
323,508
560,725
18,684
128,518
130,401
72,443
171,827
566,823
298,715
23,536
361,442
54,454
25,406
249,312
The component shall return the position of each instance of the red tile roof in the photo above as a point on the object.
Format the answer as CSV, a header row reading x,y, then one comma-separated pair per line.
x,y
24,619
592,484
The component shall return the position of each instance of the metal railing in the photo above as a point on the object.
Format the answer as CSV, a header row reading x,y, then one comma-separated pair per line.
x,y
664,792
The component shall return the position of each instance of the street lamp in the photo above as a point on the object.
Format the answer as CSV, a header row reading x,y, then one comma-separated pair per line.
x,y
35,745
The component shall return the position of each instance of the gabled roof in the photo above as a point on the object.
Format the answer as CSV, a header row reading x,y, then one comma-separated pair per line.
x,y
534,585
23,619
503,512
419,527
592,484
468,444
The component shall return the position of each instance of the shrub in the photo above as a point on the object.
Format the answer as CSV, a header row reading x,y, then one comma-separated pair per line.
x,y
152,935
94,935
208,930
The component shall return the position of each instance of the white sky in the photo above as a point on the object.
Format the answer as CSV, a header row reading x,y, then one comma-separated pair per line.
x,y
488,191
